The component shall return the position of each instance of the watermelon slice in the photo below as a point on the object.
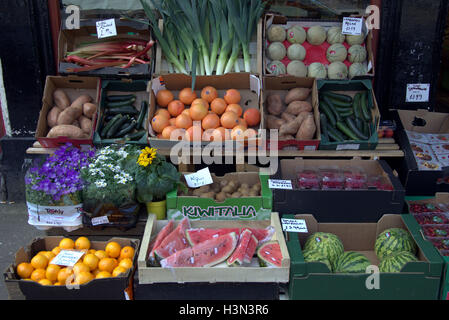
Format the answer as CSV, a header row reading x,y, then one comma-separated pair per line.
x,y
251,249
174,242
198,235
238,256
165,231
206,254
270,255
262,235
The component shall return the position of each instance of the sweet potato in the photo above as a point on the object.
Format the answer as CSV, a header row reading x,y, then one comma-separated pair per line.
x,y
274,123
296,107
286,137
89,109
52,117
69,115
275,105
76,123
288,116
308,129
61,99
85,124
80,101
289,128
297,94
66,131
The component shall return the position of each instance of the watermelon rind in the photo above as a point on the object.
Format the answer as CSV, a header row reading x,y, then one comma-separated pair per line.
x,y
316,256
164,232
211,247
394,240
395,262
238,256
327,243
352,262
270,248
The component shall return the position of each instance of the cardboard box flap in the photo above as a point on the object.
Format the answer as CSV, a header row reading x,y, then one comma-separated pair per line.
x,y
424,121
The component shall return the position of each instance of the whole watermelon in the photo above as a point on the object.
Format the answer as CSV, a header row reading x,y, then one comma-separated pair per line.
x,y
352,262
316,256
394,240
326,243
396,261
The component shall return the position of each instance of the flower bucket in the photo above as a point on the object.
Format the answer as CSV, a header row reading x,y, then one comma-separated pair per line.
x,y
158,208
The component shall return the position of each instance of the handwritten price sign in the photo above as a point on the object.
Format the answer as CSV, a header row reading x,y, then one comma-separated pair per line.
x,y
418,92
294,225
352,26
106,28
280,184
199,179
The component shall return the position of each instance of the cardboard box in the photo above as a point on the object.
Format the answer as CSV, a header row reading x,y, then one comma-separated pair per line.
x,y
418,182
274,19
212,275
312,281
251,208
281,86
98,289
69,39
122,87
249,86
255,51
338,206
74,87
350,88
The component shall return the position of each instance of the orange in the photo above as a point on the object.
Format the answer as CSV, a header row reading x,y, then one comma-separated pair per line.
x,y
46,282
172,121
58,284
194,133
92,251
56,250
187,96
208,135
242,122
113,249
211,121
252,117
118,270
107,264
101,254
24,270
163,112
103,274
50,255
91,261
238,133
175,108
229,119
126,263
164,97
84,277
67,244
199,109
37,275
52,272
166,133
159,123
127,252
80,267
220,134
39,261
218,106
186,112
232,96
209,94
64,274
184,121
235,108
82,243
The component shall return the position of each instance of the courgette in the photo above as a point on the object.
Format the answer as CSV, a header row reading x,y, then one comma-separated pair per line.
x,y
334,134
116,126
135,136
130,127
120,103
356,107
364,107
338,103
347,113
142,114
324,131
343,128
337,96
109,125
330,115
123,110
120,98
332,108
354,129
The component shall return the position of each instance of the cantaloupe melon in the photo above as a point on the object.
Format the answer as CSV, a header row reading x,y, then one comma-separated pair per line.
x,y
296,34
357,53
297,69
357,69
317,70
276,68
276,51
316,35
334,36
337,71
352,40
276,33
336,52
296,52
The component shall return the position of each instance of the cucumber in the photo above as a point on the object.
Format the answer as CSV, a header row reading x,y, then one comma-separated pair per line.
x,y
114,128
330,115
334,134
123,110
130,127
338,103
120,98
347,114
356,107
344,110
354,129
365,128
142,114
121,103
108,126
343,128
366,113
337,96
324,125
332,108
135,136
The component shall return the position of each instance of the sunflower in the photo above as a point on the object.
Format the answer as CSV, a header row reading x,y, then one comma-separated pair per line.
x,y
147,156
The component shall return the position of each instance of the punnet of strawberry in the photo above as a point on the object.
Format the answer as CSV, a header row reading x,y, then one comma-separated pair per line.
x,y
308,179
432,218
426,208
441,244
441,231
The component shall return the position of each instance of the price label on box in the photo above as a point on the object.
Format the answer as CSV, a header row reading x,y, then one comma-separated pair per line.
x,y
418,92
294,225
199,179
106,28
67,258
99,221
280,184
352,26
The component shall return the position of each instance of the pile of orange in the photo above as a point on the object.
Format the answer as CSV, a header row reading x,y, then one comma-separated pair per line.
x,y
113,261
204,118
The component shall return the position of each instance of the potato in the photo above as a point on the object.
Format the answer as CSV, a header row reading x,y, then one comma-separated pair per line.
x,y
80,101
296,107
68,131
275,105
288,117
221,197
69,115
52,117
61,99
89,109
85,124
297,94
274,123
308,129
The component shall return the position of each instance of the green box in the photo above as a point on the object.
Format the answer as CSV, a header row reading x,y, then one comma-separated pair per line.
x,y
313,281
253,208
445,284
351,87
122,87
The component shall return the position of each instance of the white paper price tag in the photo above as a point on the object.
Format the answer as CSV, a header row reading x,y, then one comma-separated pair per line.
x,y
199,179
294,225
280,184
99,220
352,26
342,147
67,258
106,28
418,92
